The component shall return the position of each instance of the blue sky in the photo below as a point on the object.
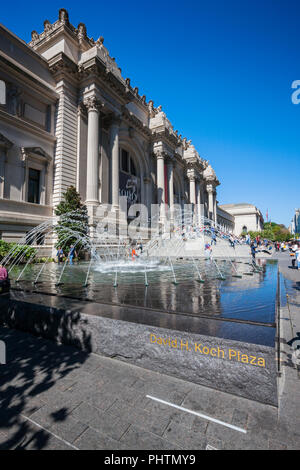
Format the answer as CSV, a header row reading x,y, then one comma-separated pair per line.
x,y
222,71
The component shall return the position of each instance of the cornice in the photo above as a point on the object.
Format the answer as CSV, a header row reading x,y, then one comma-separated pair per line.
x,y
130,118
61,64
31,128
162,133
35,83
95,68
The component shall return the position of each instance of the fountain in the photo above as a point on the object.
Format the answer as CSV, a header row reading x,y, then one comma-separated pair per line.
x,y
167,291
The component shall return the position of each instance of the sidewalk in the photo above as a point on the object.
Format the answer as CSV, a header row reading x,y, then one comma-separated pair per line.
x,y
56,397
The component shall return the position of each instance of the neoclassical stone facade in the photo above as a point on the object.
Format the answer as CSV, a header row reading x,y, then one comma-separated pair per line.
x,y
69,117
247,217
295,223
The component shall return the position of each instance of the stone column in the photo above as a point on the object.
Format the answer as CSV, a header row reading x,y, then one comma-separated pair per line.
x,y
148,194
215,208
210,190
170,167
192,190
114,146
25,175
92,183
160,183
43,187
199,201
2,171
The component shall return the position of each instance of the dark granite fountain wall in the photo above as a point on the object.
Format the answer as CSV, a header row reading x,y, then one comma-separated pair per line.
x,y
206,352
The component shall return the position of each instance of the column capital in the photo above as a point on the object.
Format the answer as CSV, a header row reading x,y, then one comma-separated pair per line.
x,y
159,154
93,104
210,188
191,175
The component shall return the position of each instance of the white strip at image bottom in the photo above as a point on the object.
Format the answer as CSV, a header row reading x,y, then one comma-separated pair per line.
x,y
209,418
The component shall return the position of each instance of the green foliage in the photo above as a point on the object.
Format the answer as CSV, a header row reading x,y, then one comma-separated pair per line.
x,y
23,252
73,221
273,232
44,260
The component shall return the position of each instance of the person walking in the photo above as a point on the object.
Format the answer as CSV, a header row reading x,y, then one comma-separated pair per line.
x,y
72,253
253,252
298,258
134,254
4,280
3,273
207,251
231,241
293,255
60,255
213,237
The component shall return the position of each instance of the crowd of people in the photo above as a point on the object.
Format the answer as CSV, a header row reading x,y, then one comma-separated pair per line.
x,y
191,232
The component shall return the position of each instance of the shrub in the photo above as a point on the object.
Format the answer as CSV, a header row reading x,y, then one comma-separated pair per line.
x,y
22,252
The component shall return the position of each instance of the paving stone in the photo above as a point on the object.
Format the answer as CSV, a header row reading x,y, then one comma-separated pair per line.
x,y
239,418
167,393
138,439
102,400
49,415
30,405
215,443
40,378
69,429
95,440
235,440
84,413
139,417
274,445
20,433
52,443
109,424
185,438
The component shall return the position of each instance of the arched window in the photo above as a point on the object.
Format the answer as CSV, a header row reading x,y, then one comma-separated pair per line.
x,y
245,230
129,178
2,92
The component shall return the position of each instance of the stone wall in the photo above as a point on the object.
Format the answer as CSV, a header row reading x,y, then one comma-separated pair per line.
x,y
240,368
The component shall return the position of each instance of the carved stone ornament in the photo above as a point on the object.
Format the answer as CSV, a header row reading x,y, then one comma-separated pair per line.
x,y
100,41
93,104
47,26
159,154
34,36
81,31
63,16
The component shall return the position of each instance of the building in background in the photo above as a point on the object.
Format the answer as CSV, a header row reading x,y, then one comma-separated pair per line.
x,y
295,223
247,217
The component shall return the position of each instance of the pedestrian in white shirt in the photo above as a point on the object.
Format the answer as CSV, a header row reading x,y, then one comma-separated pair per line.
x,y
298,257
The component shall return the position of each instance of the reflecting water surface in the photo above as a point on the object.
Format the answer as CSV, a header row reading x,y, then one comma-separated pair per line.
x,y
172,288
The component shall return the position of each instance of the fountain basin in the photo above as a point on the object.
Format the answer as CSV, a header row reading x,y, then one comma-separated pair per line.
x,y
219,334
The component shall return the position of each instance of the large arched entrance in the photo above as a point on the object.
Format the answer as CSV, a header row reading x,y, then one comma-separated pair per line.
x,y
129,178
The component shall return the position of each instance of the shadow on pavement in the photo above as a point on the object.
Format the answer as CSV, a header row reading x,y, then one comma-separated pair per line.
x,y
34,366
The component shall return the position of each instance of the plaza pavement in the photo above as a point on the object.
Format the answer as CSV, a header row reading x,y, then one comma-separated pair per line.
x,y
57,397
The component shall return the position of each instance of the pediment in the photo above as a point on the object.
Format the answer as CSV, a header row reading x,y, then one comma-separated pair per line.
x,y
37,152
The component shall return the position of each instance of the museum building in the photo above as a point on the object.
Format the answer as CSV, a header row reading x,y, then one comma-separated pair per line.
x,y
69,118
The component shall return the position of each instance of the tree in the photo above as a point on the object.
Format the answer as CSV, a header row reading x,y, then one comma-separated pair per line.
x,y
273,232
72,227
